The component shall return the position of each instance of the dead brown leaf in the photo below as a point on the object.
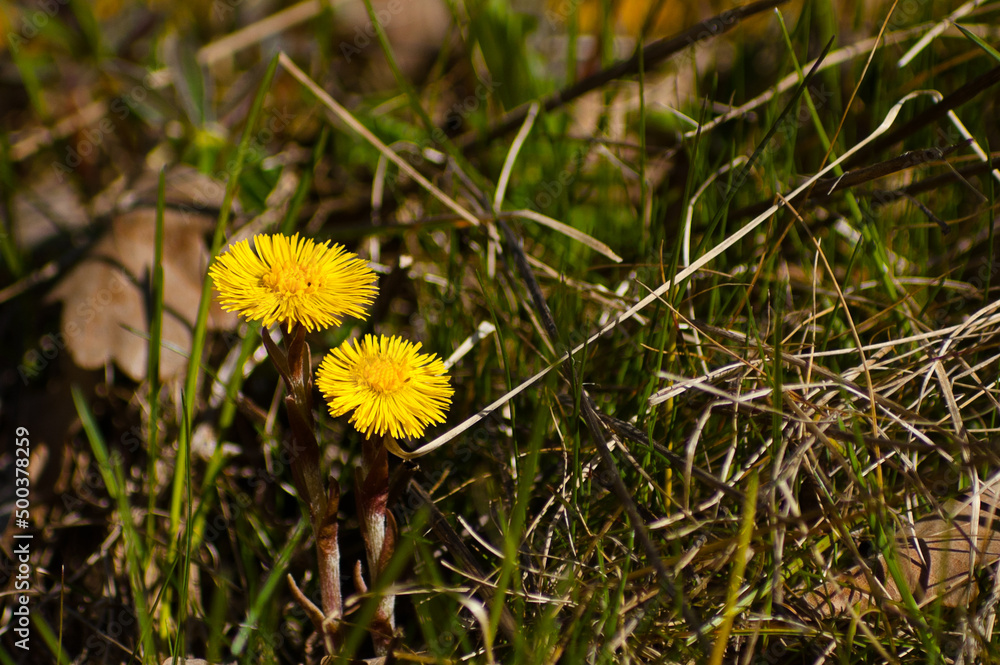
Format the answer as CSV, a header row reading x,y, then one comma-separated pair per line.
x,y
106,313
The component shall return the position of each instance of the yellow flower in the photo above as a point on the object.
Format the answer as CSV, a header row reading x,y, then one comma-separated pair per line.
x,y
389,385
293,281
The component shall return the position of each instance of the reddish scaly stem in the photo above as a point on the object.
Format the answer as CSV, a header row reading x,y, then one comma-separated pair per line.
x,y
303,454
379,531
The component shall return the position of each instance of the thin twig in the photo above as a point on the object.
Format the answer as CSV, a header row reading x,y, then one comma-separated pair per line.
x,y
649,56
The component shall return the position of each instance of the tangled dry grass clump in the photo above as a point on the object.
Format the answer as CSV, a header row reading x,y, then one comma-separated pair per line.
x,y
823,477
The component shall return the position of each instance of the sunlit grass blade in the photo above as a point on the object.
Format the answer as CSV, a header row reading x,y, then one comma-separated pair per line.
x,y
50,639
153,360
979,41
201,323
740,557
110,467
266,594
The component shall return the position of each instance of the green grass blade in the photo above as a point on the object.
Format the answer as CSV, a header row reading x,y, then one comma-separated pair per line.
x,y
739,567
978,41
50,639
401,80
267,591
153,368
201,324
110,467
8,243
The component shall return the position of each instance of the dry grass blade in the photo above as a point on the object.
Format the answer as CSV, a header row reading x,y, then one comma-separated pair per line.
x,y
880,170
656,294
934,113
833,59
344,116
651,55
565,229
508,163
267,27
590,416
446,534
934,32
857,339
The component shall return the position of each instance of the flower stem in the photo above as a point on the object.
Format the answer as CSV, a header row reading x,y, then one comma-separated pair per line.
x,y
379,532
328,558
302,452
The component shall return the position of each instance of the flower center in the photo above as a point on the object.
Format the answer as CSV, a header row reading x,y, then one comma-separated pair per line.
x,y
291,279
382,376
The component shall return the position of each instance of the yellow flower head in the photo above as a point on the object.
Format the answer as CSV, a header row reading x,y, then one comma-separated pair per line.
x,y
293,281
389,385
